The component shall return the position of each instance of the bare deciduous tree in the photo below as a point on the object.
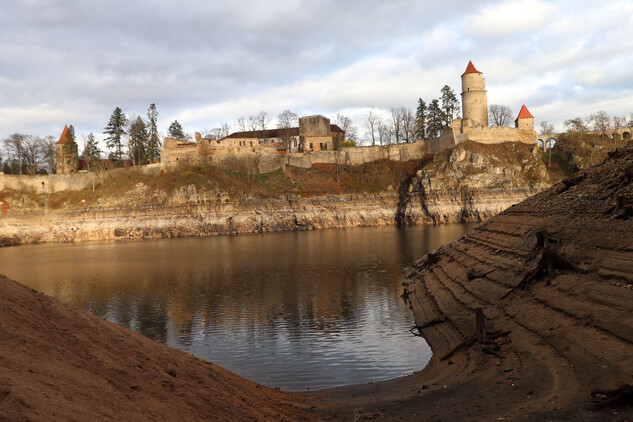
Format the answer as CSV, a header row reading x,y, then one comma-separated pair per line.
x,y
33,153
396,121
241,125
14,145
576,124
499,115
601,121
619,122
258,123
221,132
384,133
345,123
372,123
408,125
286,120
49,151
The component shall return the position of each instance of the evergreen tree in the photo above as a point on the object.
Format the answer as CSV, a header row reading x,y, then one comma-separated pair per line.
x,y
449,106
138,141
175,131
153,142
91,153
434,119
115,131
420,120
71,133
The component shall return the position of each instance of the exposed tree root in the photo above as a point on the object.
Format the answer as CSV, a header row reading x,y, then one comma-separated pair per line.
x,y
428,324
620,397
548,262
482,336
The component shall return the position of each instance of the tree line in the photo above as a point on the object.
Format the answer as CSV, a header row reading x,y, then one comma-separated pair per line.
x,y
403,126
126,137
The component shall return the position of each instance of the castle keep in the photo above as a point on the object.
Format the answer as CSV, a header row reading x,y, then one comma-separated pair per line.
x,y
473,125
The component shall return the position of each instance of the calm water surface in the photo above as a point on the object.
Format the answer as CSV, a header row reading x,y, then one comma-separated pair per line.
x,y
299,310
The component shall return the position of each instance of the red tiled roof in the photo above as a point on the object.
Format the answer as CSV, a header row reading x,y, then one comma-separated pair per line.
x,y
524,113
64,139
470,69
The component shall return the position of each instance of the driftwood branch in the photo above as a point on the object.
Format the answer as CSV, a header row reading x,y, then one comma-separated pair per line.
x,y
472,275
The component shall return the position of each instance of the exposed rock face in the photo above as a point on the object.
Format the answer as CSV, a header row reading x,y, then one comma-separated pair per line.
x,y
556,273
473,182
200,218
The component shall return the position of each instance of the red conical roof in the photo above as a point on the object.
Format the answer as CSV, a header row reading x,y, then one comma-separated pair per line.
x,y
64,139
470,69
524,113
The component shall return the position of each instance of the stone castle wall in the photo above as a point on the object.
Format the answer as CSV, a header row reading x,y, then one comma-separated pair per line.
x,y
63,182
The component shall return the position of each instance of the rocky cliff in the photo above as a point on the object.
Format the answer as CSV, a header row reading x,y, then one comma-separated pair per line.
x,y
472,182
468,183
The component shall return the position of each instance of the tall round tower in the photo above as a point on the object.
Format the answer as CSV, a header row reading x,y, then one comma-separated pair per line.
x,y
474,97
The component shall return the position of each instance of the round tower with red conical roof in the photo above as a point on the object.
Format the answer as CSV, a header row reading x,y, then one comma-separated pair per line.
x,y
474,96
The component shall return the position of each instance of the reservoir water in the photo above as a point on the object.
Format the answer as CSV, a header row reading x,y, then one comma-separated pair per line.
x,y
298,310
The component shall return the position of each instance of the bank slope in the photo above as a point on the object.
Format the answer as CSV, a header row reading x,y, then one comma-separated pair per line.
x,y
570,323
58,362
541,349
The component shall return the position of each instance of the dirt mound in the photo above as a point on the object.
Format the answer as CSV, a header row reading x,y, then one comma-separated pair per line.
x,y
60,363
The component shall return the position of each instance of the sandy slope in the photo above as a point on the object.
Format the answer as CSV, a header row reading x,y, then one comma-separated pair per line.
x,y
58,362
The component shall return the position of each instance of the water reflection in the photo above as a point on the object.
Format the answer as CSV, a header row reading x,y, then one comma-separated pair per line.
x,y
295,310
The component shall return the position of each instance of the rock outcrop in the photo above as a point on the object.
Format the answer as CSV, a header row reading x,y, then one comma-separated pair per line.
x,y
473,182
530,315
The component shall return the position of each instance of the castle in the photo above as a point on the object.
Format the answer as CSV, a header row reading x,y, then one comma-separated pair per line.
x,y
473,125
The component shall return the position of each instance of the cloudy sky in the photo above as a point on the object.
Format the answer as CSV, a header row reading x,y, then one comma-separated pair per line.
x,y
207,62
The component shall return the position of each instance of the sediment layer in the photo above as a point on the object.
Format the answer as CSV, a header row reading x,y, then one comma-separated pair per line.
x,y
223,217
553,278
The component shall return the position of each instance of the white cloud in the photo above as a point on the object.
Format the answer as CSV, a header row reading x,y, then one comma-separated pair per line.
x,y
511,17
209,62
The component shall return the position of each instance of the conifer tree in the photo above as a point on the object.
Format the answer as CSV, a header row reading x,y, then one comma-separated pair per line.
x,y
138,141
449,106
175,131
91,153
434,119
420,120
153,142
71,133
115,131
